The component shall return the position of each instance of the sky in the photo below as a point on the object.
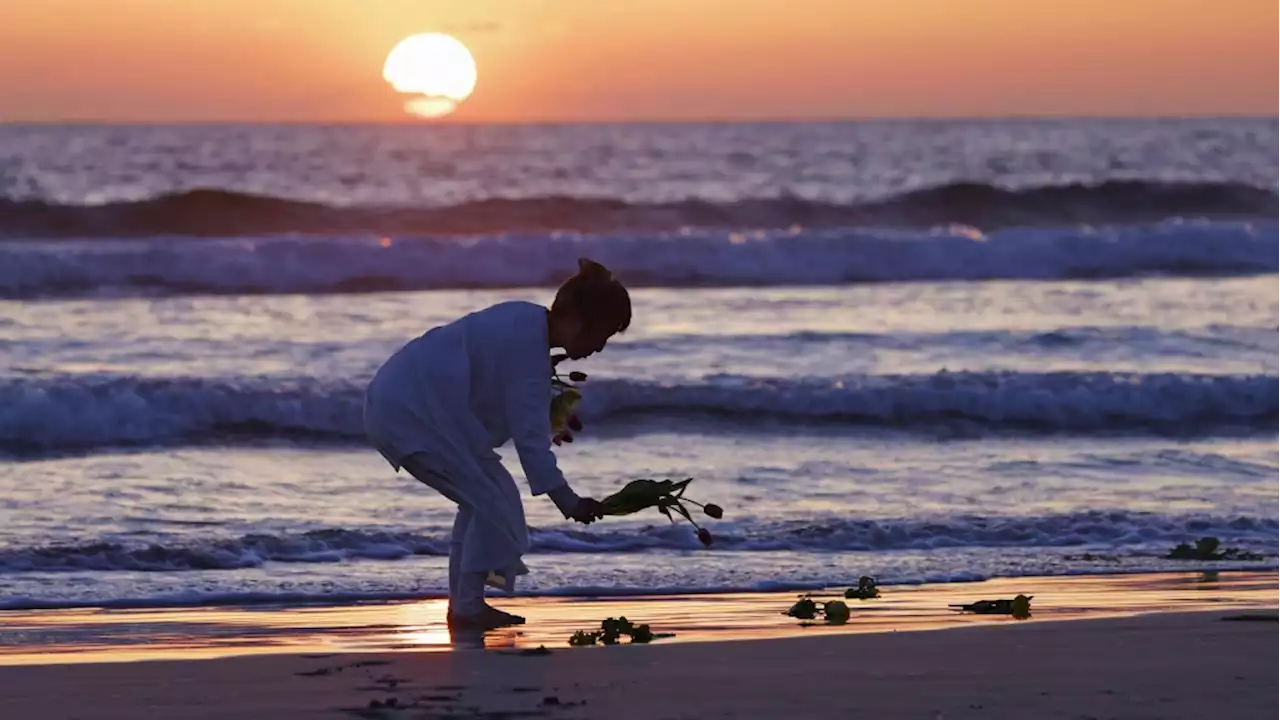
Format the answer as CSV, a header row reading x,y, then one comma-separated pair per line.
x,y
640,60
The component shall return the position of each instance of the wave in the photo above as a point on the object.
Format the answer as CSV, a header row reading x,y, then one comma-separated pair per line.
x,y
1210,338
687,259
63,414
331,595
1136,531
216,213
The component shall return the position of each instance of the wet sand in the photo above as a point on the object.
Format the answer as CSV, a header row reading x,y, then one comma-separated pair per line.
x,y
1134,647
106,635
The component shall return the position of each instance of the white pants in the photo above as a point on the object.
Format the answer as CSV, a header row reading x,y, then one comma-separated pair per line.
x,y
466,589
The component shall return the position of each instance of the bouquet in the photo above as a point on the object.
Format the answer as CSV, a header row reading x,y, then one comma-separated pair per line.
x,y
564,402
666,495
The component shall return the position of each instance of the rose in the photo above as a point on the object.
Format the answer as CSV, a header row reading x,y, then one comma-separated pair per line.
x,y
804,609
665,495
564,421
836,612
866,589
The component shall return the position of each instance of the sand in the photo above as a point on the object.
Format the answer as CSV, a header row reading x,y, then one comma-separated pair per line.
x,y
1186,665
1070,664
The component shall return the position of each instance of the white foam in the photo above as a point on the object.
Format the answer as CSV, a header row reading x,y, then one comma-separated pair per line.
x,y
346,264
1122,530
80,412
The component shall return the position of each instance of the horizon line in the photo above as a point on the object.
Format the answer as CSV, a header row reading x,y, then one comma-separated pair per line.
x,y
779,120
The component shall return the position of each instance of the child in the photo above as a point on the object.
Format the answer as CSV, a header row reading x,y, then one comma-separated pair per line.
x,y
441,404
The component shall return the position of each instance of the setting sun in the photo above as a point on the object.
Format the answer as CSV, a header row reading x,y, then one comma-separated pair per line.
x,y
436,68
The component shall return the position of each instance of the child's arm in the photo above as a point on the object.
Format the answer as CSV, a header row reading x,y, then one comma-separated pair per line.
x,y
529,419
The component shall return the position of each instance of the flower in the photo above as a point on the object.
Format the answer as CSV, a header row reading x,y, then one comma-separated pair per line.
x,y
562,407
611,631
804,609
836,612
564,402
866,589
582,638
667,496
642,634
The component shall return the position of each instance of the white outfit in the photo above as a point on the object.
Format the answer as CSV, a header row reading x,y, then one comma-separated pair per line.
x,y
441,404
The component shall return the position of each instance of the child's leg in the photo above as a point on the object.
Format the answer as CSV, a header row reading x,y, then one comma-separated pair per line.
x,y
419,466
455,550
466,590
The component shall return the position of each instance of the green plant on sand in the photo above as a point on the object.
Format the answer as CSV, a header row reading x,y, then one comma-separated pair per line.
x,y
866,589
611,631
834,612
1019,607
1207,549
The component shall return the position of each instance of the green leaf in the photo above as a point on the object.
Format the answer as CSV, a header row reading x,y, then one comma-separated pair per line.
x,y
582,638
866,589
642,634
1021,607
804,609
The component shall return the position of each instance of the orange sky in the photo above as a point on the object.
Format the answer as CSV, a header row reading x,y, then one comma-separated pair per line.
x,y
539,60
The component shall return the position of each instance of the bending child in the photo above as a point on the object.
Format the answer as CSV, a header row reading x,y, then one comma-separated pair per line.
x,y
441,404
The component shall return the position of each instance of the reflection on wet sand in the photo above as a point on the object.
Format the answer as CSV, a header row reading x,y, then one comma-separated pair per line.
x,y
97,635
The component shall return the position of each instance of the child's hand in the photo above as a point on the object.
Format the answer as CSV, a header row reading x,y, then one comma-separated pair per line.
x,y
586,511
583,510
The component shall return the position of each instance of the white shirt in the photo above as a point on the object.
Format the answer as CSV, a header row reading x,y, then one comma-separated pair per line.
x,y
462,389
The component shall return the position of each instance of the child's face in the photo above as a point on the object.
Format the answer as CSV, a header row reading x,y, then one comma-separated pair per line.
x,y
586,343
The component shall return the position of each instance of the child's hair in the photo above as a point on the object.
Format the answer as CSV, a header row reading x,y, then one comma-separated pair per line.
x,y
596,297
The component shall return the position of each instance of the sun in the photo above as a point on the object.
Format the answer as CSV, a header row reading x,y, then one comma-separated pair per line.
x,y
435,67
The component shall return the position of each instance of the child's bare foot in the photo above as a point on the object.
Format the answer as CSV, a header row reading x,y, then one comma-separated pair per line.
x,y
488,618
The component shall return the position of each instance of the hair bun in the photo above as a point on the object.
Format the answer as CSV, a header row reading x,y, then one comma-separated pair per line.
x,y
592,269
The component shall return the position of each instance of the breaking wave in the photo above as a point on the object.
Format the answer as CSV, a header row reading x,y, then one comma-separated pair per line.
x,y
219,213
78,413
1117,529
343,264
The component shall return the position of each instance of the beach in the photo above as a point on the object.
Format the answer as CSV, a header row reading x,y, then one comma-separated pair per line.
x,y
901,361
1094,647
968,359
1160,646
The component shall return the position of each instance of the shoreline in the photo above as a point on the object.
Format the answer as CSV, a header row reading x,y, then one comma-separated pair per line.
x,y
104,635
1170,665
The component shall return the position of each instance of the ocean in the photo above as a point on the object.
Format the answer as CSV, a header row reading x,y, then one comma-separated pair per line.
x,y
921,351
